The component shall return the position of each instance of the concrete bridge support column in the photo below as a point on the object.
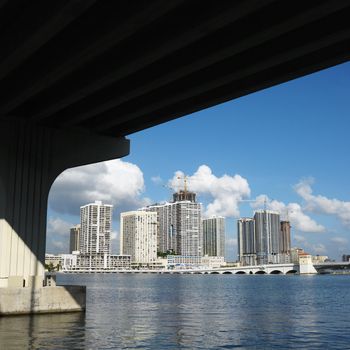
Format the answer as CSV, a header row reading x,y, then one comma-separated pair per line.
x,y
31,157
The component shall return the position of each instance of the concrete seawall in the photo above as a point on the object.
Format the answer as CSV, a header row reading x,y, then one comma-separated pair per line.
x,y
14,301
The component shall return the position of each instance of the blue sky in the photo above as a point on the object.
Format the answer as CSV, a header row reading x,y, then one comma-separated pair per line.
x,y
289,143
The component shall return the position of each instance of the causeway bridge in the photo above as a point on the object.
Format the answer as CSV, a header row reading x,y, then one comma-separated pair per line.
x,y
275,269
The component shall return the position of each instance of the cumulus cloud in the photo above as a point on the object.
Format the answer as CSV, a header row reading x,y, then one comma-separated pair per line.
x,y
292,211
57,239
231,242
319,248
114,182
57,226
314,249
114,235
299,238
157,180
224,192
322,204
339,240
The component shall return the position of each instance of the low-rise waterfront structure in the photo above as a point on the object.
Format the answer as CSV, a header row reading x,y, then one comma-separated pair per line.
x,y
184,261
213,261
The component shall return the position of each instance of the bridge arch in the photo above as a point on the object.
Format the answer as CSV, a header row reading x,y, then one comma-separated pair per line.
x,y
276,272
227,273
260,272
240,273
214,273
291,272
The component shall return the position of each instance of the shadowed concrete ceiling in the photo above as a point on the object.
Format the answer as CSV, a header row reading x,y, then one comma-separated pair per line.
x,y
117,67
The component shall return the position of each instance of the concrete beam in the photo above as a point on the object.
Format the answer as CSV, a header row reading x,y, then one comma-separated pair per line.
x,y
31,157
14,301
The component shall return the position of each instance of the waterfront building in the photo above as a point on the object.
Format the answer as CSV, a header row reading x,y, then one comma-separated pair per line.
x,y
54,260
74,239
246,241
285,237
294,254
69,261
184,261
267,236
179,227
95,234
319,259
138,236
166,226
346,258
214,236
213,262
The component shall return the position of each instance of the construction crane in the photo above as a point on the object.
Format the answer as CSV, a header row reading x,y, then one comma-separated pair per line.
x,y
185,182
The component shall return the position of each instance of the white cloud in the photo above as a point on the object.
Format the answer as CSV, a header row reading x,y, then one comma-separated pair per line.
x,y
231,242
339,240
114,182
57,226
224,192
58,245
157,180
299,238
314,249
322,204
319,248
114,235
292,211
57,235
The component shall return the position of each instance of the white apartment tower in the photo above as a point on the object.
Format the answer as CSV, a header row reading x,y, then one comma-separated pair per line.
x,y
95,232
138,236
166,226
214,236
179,225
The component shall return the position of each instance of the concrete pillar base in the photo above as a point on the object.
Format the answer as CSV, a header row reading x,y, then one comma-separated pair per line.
x,y
14,301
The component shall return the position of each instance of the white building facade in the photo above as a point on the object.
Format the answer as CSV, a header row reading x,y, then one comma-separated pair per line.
x,y
95,234
179,227
138,236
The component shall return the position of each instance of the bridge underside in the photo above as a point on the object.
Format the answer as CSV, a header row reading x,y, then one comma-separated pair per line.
x,y
77,76
117,67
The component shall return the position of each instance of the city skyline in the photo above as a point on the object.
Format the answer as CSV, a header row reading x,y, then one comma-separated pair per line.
x,y
286,145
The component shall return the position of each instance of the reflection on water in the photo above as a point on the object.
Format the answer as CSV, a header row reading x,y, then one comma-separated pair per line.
x,y
60,331
193,311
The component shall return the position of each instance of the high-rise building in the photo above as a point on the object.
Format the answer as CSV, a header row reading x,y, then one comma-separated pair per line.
x,y
138,236
346,258
264,239
246,241
166,226
214,236
267,236
179,225
95,233
74,238
285,237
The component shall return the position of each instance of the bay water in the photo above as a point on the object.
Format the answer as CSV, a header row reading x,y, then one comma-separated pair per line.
x,y
148,311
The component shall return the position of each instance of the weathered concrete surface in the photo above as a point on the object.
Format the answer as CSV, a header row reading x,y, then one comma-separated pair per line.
x,y
42,300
